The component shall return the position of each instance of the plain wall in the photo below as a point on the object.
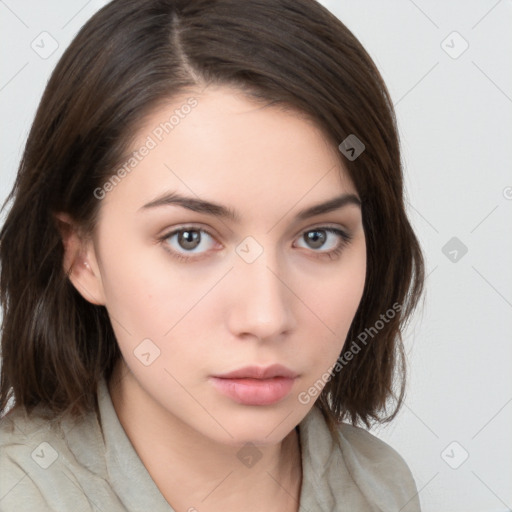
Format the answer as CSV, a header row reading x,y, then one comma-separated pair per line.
x,y
454,110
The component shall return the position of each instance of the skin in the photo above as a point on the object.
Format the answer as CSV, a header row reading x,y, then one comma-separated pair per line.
x,y
216,312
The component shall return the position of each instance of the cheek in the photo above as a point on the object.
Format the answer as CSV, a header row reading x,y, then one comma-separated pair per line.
x,y
336,301
139,289
150,296
148,303
336,293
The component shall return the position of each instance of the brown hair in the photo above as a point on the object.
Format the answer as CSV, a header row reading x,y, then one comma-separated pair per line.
x,y
130,57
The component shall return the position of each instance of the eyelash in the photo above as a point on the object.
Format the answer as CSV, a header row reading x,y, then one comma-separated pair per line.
x,y
332,254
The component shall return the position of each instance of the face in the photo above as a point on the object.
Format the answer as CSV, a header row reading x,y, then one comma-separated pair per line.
x,y
197,291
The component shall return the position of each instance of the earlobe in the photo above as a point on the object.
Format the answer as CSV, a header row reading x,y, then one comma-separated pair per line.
x,y
79,261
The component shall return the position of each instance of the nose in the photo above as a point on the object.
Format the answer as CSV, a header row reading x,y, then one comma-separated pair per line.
x,y
262,302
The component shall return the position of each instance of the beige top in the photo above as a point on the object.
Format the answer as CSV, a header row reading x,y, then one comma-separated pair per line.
x,y
65,466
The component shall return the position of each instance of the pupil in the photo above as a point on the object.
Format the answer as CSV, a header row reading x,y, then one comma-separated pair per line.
x,y
318,241
189,239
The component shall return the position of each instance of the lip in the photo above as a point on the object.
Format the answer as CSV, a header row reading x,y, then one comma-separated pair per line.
x,y
256,385
259,372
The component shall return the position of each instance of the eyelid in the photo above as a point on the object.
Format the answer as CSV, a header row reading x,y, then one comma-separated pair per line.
x,y
167,232
324,225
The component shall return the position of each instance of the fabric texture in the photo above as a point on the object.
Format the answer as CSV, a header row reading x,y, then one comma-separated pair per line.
x,y
91,465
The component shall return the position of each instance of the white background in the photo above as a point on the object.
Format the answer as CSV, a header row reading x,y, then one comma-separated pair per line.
x,y
455,119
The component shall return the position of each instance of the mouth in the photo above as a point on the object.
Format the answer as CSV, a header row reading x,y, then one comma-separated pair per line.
x,y
254,385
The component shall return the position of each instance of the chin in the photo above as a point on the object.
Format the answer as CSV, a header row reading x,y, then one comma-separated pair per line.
x,y
261,426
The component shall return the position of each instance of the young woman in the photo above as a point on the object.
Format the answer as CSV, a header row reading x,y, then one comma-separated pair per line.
x,y
206,269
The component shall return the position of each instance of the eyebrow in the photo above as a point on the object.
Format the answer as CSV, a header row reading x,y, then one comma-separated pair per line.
x,y
224,212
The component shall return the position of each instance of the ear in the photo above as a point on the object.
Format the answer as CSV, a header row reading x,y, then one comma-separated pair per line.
x,y
80,262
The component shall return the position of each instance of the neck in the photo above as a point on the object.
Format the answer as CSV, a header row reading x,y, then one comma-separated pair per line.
x,y
196,473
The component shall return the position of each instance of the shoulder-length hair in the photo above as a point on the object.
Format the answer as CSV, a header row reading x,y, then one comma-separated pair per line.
x,y
132,56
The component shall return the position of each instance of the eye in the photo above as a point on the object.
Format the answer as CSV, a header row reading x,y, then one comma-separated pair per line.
x,y
187,241
331,240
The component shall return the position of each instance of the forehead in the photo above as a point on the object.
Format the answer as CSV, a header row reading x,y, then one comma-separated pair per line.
x,y
220,144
